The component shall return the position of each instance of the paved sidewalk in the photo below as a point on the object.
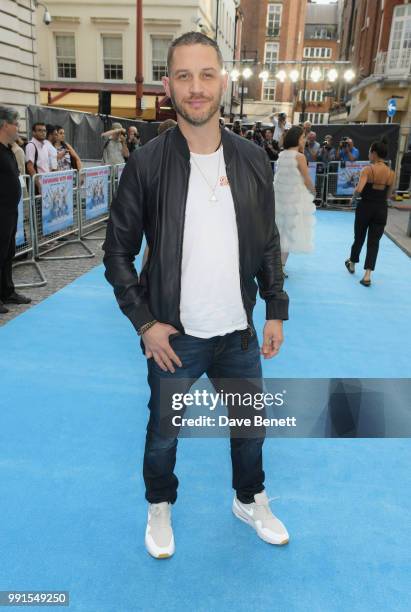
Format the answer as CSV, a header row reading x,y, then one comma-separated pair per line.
x,y
58,273
397,225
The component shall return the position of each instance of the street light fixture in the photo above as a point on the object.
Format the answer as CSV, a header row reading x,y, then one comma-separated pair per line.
x,y
294,74
264,75
316,75
281,75
332,75
234,74
349,75
247,73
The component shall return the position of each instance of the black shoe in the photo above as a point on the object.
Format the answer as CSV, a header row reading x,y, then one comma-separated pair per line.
x,y
17,298
347,265
3,309
366,283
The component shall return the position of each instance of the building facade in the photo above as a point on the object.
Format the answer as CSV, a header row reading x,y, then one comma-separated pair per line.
x,y
376,37
19,80
272,31
321,44
90,46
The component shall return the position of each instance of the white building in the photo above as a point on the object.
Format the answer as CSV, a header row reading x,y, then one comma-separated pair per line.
x,y
90,45
19,84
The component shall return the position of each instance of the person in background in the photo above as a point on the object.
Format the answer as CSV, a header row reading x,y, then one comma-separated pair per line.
x,y
133,139
280,127
294,193
312,147
10,194
115,149
166,125
51,139
375,188
307,125
67,158
346,151
271,146
17,148
327,151
37,151
258,134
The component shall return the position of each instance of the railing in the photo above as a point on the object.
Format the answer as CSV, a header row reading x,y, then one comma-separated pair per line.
x,y
395,63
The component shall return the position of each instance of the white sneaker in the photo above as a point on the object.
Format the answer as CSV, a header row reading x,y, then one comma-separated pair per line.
x,y
258,514
159,537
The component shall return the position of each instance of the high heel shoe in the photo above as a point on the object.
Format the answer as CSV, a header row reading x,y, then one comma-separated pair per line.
x,y
364,282
348,266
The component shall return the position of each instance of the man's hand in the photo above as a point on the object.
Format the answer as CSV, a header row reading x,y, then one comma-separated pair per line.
x,y
273,338
157,346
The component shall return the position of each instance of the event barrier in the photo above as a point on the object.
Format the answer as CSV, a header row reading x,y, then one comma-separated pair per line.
x,y
25,235
96,192
118,170
342,179
56,213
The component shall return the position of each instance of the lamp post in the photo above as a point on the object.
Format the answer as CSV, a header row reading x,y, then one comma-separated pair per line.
x,y
139,57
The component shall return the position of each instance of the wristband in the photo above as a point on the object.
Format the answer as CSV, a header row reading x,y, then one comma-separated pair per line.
x,y
146,326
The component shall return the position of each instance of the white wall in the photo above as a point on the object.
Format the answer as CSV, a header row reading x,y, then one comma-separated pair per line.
x,y
19,84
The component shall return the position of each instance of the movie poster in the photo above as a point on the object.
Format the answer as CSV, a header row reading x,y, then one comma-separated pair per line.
x,y
348,177
97,191
57,201
20,219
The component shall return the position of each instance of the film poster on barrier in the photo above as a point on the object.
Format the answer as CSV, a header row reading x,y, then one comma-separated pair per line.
x,y
348,177
57,201
20,239
97,191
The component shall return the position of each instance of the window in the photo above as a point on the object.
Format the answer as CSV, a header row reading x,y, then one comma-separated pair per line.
x,y
317,52
274,19
113,57
66,57
159,48
312,95
399,56
269,90
317,118
271,55
321,32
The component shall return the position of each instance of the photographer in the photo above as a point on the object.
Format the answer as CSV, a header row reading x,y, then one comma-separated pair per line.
x,y
271,146
237,127
115,148
258,134
327,151
280,127
346,150
312,147
133,139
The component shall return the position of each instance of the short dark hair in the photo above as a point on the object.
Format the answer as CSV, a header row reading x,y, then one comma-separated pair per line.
x,y
35,125
59,127
380,147
50,129
192,38
292,137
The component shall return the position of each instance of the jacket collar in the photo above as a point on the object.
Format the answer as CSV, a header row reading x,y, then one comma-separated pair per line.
x,y
179,143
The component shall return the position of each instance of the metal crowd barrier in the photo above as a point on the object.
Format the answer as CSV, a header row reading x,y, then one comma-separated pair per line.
x,y
56,214
25,235
95,195
117,171
342,179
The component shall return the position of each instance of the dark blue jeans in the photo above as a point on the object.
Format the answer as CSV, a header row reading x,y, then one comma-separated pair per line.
x,y
220,357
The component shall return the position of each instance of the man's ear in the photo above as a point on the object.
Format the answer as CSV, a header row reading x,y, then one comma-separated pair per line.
x,y
166,84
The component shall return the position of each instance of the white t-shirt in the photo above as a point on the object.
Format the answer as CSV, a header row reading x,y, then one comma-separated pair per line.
x,y
211,303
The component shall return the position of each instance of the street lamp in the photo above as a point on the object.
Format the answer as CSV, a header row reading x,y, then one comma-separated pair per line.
x,y
246,74
349,75
332,75
294,74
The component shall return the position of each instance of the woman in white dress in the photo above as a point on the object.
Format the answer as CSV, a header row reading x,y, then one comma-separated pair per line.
x,y
294,194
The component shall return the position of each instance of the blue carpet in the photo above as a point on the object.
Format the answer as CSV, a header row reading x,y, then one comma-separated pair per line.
x,y
72,426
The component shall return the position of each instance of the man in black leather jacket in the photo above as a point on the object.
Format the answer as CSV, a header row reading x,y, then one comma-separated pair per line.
x,y
203,197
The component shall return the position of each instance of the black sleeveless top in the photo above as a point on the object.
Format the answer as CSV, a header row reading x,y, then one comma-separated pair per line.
x,y
370,194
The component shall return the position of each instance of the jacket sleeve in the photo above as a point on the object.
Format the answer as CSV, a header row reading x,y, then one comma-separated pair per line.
x,y
270,275
123,243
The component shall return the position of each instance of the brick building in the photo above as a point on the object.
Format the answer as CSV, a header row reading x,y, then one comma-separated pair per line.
x,y
272,31
320,43
376,38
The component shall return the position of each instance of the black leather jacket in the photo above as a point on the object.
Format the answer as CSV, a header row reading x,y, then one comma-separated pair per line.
x,y
151,200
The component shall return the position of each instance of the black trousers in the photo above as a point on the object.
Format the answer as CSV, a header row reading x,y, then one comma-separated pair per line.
x,y
370,217
8,228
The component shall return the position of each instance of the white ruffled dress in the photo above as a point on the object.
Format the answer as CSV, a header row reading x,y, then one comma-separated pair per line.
x,y
294,206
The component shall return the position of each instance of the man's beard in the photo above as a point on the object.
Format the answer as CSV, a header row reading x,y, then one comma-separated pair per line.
x,y
197,120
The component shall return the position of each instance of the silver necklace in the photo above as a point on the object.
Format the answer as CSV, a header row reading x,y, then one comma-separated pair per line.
x,y
213,197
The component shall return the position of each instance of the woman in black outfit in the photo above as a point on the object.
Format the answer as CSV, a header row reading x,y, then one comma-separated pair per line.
x,y
375,187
